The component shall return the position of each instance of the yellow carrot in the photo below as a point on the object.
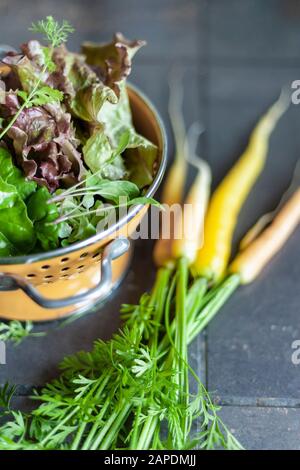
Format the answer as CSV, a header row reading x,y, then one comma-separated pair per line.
x,y
186,231
195,204
173,188
229,197
249,262
267,218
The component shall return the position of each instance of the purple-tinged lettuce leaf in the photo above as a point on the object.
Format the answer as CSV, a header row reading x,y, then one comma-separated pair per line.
x,y
9,102
112,61
89,92
45,146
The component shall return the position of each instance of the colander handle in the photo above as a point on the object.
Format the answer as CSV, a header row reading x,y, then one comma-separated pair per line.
x,y
113,250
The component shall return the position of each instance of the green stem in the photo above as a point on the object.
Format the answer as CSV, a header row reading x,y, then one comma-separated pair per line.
x,y
158,300
136,427
194,301
88,441
61,423
114,427
180,359
224,291
147,433
81,429
78,436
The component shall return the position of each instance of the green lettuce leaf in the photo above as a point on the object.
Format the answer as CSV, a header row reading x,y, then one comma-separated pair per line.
x,y
12,175
15,224
140,154
97,151
43,215
101,158
6,248
89,100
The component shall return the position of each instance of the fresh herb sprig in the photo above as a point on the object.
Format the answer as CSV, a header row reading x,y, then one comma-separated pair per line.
x,y
7,391
55,34
16,331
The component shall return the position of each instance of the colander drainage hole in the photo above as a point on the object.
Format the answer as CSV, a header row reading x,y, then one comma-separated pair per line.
x,y
64,260
30,275
65,269
46,266
48,277
96,255
83,255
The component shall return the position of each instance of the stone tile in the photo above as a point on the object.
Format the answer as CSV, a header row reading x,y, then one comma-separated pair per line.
x,y
250,341
264,428
254,31
153,80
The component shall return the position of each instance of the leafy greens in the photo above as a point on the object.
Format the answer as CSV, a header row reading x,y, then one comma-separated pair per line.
x,y
68,147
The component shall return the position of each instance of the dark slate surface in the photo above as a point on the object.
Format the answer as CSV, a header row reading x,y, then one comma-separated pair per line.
x,y
264,428
236,56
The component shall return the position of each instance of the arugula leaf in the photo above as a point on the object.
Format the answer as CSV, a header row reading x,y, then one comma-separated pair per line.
x,y
15,224
81,228
12,175
113,190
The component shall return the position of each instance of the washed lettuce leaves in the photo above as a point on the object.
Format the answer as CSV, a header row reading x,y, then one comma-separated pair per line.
x,y
84,92
85,137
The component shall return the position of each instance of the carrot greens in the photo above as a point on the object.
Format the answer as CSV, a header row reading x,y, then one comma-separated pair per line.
x,y
126,392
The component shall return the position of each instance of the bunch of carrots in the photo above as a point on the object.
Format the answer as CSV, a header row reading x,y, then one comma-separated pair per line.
x,y
134,392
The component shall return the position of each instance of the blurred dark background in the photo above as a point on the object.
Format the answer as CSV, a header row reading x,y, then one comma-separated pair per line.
x,y
235,55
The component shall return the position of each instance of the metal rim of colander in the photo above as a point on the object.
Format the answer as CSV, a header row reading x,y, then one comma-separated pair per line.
x,y
32,258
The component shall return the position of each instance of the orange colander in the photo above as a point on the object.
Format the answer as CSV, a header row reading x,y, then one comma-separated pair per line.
x,y
80,277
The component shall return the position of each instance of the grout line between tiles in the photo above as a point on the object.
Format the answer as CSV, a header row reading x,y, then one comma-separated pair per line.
x,y
257,402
